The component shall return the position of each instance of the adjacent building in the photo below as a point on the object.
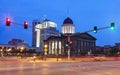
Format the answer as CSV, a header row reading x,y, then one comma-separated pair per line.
x,y
7,48
41,30
14,45
117,45
107,49
18,43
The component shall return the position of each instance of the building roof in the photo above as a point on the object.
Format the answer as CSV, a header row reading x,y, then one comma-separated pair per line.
x,y
78,35
85,36
45,20
68,21
54,37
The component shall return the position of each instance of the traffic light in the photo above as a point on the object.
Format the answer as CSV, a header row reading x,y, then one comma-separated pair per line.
x,y
95,29
112,26
25,25
66,45
70,42
8,21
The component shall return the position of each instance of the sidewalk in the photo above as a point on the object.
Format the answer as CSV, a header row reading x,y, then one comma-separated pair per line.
x,y
19,60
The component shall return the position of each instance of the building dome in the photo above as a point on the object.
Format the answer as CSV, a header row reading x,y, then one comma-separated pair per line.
x,y
68,21
68,26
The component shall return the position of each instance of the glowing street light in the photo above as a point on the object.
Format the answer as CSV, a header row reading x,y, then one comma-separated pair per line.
x,y
9,49
1,50
22,48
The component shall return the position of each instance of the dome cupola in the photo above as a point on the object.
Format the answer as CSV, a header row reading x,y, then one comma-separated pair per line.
x,y
68,26
68,21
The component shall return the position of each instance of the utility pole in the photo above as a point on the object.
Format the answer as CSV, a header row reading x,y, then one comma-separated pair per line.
x,y
68,48
69,45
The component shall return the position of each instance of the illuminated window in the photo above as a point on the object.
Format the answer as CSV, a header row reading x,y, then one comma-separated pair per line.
x,y
60,47
53,47
50,51
38,38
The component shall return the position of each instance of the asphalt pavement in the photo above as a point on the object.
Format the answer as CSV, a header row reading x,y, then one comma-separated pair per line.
x,y
62,68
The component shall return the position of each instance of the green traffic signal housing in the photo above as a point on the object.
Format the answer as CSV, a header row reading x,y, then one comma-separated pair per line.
x,y
66,45
112,26
95,29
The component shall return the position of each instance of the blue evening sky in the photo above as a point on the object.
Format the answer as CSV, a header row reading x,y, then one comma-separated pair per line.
x,y
85,14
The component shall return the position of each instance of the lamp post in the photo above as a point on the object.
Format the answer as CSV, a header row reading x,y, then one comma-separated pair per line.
x,y
9,51
21,50
68,48
34,57
1,52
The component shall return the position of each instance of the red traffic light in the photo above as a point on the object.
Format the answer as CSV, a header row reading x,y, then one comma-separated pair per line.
x,y
70,42
8,21
25,25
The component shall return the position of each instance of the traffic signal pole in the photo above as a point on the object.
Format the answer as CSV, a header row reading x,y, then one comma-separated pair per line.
x,y
68,52
68,48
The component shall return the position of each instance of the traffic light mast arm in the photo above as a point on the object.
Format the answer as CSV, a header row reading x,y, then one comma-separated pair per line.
x,y
17,23
8,21
103,28
20,24
93,29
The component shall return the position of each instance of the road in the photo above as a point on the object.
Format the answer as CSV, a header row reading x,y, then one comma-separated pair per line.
x,y
62,68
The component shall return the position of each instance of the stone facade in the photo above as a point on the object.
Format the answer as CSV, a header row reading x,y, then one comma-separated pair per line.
x,y
81,44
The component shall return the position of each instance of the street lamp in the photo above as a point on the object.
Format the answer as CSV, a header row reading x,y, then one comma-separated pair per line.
x,y
21,50
70,43
1,52
34,57
9,49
